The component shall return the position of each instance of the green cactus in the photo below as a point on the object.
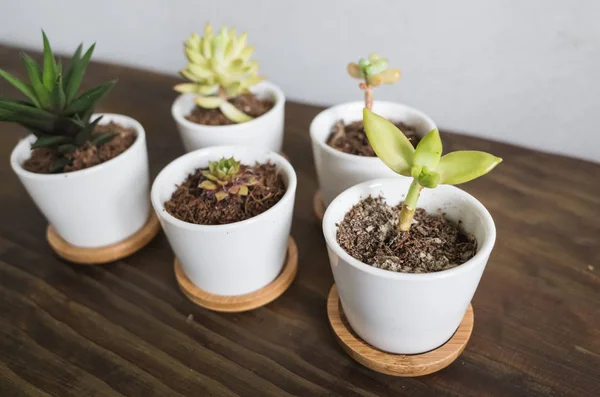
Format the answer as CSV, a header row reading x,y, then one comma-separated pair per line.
x,y
55,113
219,68
225,177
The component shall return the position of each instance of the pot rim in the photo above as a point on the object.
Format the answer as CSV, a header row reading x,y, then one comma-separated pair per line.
x,y
233,128
159,208
366,160
485,248
22,172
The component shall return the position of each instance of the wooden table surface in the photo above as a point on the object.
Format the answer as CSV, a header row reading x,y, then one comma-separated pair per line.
x,y
126,329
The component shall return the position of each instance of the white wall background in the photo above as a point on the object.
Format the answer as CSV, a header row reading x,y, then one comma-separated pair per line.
x,y
511,70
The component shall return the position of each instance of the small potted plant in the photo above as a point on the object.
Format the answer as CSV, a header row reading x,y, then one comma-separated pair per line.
x,y
88,174
343,156
227,213
406,273
225,101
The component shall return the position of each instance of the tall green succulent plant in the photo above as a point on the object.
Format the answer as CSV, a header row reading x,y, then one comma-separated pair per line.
x,y
374,72
425,164
219,68
56,114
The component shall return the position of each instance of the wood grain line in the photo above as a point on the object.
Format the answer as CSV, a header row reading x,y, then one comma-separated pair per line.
x,y
537,301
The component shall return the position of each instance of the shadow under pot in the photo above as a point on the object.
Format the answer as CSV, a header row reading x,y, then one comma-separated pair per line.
x,y
226,258
338,170
98,206
403,312
264,131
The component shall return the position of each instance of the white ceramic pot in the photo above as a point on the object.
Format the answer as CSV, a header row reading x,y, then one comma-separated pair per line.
x,y
337,171
235,258
407,313
96,206
264,132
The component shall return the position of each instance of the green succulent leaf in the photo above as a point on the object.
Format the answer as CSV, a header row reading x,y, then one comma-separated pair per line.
x,y
76,72
429,150
429,180
389,143
208,89
101,139
35,77
57,95
66,148
49,72
59,164
49,141
376,67
88,99
354,70
26,89
20,110
186,88
221,195
86,131
209,102
69,71
208,185
390,76
233,113
415,171
465,165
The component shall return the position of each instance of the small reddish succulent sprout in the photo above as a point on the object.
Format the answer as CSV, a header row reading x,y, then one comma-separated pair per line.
x,y
373,71
226,177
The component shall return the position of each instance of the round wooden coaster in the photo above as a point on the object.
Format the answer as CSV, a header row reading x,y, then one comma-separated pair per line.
x,y
396,364
245,302
318,205
108,253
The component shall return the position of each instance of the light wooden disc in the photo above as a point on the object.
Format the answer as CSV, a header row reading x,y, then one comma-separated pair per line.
x,y
108,253
318,205
242,303
396,364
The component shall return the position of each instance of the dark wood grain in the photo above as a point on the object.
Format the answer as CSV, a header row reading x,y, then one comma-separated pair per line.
x,y
126,329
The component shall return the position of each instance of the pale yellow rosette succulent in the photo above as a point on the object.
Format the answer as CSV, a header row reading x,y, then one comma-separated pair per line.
x,y
219,69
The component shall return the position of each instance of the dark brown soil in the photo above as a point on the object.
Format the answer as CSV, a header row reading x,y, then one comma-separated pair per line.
x,y
195,205
87,155
247,103
351,138
368,233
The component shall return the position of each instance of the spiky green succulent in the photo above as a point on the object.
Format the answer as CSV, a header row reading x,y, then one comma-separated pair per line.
x,y
56,114
219,68
373,70
225,177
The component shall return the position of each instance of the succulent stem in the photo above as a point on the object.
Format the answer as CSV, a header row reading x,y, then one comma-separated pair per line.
x,y
369,96
409,206
368,89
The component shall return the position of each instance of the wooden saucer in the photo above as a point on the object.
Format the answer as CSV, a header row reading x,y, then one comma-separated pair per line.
x,y
319,205
245,302
396,364
108,253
